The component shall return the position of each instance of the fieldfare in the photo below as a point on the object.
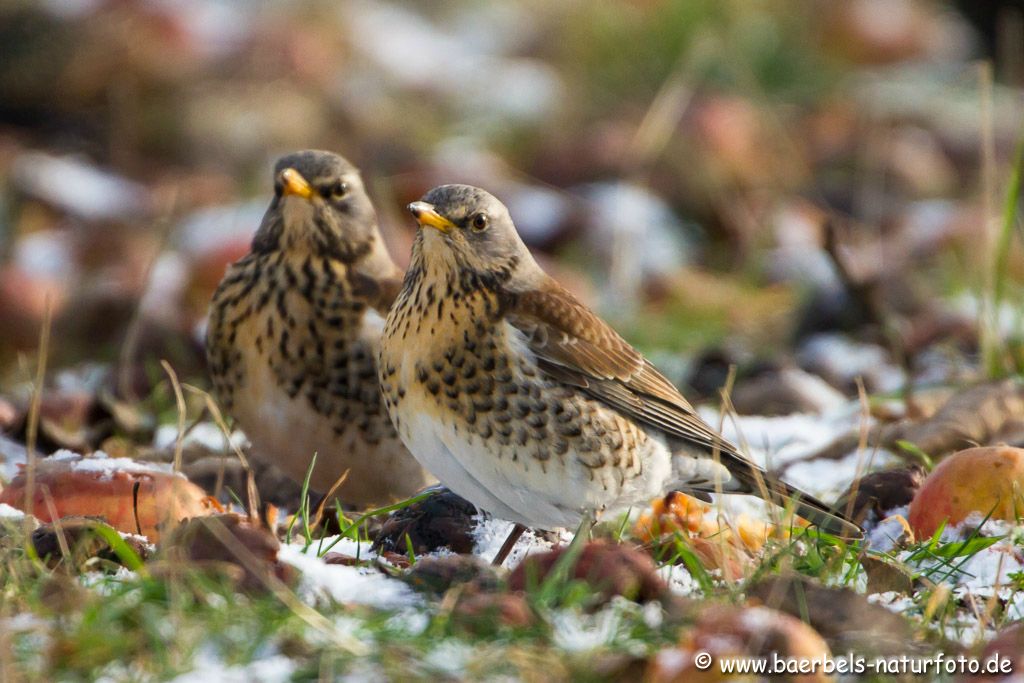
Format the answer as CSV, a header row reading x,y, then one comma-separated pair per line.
x,y
523,401
294,333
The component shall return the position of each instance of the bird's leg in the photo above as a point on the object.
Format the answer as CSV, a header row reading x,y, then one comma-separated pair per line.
x,y
506,547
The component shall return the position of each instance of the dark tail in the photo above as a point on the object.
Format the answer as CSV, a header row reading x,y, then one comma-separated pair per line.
x,y
819,514
751,479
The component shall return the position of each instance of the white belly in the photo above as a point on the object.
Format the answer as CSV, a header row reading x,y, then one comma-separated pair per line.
x,y
553,496
428,435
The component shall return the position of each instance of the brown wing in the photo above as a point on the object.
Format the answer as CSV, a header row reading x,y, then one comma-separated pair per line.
x,y
574,346
381,292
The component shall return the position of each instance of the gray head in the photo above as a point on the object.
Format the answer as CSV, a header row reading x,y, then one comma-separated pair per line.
x,y
320,205
470,229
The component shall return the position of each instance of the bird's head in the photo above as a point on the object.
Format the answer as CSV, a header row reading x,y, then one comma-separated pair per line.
x,y
319,204
468,229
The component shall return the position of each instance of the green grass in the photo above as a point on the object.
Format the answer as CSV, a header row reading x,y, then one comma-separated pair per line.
x,y
997,354
154,623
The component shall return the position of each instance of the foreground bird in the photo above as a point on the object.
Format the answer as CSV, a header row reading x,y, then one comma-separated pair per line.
x,y
523,401
294,332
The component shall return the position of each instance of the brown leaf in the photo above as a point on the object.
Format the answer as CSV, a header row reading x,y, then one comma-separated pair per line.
x,y
979,415
487,613
884,576
437,575
232,539
880,492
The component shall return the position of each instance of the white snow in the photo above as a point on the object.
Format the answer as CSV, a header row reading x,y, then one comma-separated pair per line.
x,y
774,441
575,631
450,657
206,435
105,465
828,478
387,37
209,667
75,186
24,621
779,439
845,359
490,533
12,454
973,582
679,579
887,532
106,584
7,512
358,585
893,601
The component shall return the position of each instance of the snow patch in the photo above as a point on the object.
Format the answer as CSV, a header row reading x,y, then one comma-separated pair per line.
x,y
205,435
894,601
490,534
775,441
884,536
359,585
679,579
450,657
7,512
103,464
209,667
12,454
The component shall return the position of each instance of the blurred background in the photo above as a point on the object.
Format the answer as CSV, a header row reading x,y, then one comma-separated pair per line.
x,y
806,190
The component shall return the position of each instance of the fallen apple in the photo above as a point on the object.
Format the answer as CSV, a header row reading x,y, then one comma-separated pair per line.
x,y
723,631
676,512
609,569
719,543
132,497
988,480
246,550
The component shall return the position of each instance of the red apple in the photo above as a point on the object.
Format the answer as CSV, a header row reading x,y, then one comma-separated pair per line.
x,y
106,487
985,480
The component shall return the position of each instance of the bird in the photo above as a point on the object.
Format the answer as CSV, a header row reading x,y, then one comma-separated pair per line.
x,y
523,401
293,334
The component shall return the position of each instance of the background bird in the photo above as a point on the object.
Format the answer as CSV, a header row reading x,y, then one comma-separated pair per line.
x,y
523,401
294,332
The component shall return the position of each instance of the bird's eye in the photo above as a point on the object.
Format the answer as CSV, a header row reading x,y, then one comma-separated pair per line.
x,y
339,190
480,222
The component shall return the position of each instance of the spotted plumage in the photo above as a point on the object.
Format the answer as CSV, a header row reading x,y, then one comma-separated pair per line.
x,y
523,401
294,334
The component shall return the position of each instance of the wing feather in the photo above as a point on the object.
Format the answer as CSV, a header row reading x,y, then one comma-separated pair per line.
x,y
574,346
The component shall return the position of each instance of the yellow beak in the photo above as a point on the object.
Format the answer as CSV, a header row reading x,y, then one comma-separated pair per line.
x,y
295,184
427,216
